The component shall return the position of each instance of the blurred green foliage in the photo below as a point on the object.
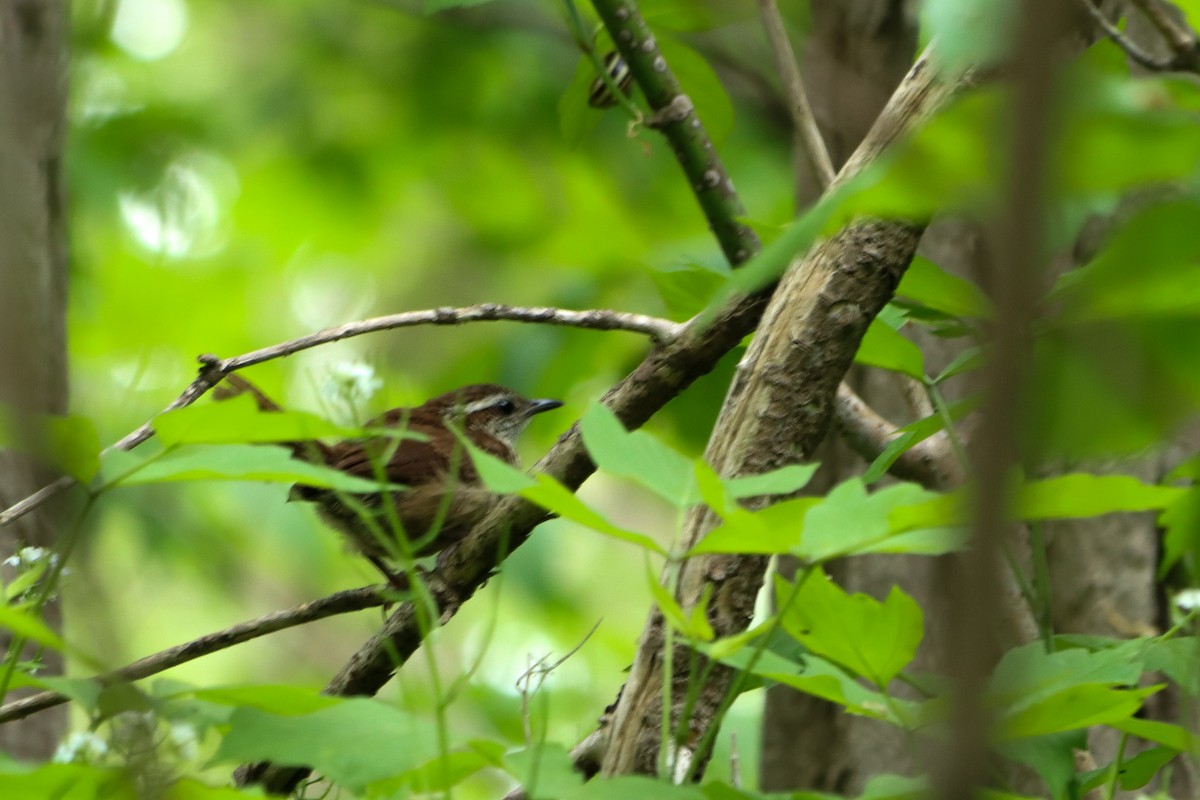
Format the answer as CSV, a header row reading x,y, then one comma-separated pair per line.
x,y
242,174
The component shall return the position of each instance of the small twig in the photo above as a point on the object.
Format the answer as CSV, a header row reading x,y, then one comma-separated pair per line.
x,y
339,603
803,121
1118,36
214,369
1180,38
542,671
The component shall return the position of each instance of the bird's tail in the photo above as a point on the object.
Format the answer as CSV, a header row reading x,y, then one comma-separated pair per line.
x,y
235,386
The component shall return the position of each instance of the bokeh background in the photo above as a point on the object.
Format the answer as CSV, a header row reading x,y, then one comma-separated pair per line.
x,y
244,173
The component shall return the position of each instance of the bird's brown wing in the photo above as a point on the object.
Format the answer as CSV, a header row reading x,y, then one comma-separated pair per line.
x,y
411,463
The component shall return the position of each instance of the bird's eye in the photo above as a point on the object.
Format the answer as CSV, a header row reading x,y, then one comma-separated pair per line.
x,y
506,406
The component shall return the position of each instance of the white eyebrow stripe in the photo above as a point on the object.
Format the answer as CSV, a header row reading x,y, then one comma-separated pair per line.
x,y
487,402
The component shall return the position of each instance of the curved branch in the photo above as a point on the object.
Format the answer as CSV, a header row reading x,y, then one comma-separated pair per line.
x,y
930,463
339,603
1131,48
214,369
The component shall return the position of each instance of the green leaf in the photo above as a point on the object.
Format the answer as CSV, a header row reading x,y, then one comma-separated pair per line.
x,y
72,781
913,433
775,529
1175,657
850,521
25,580
84,691
554,497
883,346
1074,707
966,361
545,772
238,421
355,742
774,259
895,787
784,480
1135,128
630,787
1084,495
278,699
1138,771
27,626
922,542
496,474
189,789
638,456
441,774
926,283
687,288
1038,693
969,34
1176,737
229,462
1063,497
1029,672
872,639
434,6
814,676
694,625
69,444
121,698
1052,757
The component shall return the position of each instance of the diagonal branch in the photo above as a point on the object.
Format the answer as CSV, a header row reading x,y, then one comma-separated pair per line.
x,y
777,412
338,603
663,375
1131,48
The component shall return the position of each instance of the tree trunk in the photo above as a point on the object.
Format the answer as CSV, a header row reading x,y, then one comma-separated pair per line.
x,y
856,54
33,276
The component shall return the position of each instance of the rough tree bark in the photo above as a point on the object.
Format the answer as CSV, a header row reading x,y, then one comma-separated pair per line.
x,y
1102,570
777,412
33,275
855,55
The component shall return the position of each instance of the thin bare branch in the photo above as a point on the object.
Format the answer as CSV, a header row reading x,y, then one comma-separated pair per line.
x,y
1136,53
214,369
803,121
339,603
1181,39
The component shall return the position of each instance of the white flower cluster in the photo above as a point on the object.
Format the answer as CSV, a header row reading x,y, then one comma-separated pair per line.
x,y
1188,599
351,382
28,557
81,747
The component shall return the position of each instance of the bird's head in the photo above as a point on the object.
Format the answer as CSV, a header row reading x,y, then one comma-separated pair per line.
x,y
485,408
492,409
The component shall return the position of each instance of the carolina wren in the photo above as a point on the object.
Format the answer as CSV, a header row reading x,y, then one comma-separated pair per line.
x,y
443,498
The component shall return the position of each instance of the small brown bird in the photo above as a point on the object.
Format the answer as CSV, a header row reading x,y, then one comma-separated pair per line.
x,y
443,498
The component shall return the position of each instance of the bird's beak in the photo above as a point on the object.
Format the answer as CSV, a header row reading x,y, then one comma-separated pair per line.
x,y
538,406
